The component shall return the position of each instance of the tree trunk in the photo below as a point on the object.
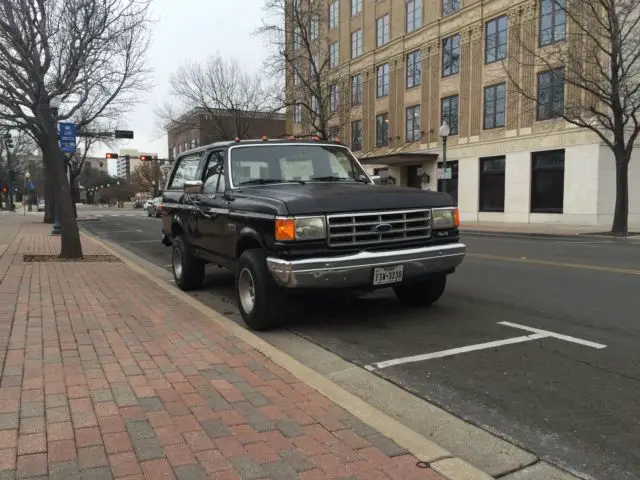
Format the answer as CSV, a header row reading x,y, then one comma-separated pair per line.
x,y
621,211
56,171
49,198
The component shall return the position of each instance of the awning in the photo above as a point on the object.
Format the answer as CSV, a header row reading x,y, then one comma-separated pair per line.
x,y
398,158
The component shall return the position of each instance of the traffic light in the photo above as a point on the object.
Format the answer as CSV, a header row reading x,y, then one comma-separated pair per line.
x,y
145,158
8,140
111,155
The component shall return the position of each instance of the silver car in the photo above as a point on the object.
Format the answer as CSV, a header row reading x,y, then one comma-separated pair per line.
x,y
152,209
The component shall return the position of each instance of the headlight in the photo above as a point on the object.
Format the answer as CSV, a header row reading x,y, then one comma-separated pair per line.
x,y
444,218
300,228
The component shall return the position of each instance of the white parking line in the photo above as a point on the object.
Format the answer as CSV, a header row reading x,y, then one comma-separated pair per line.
x,y
559,336
537,334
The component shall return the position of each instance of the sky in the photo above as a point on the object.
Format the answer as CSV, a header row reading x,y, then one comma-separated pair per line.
x,y
190,30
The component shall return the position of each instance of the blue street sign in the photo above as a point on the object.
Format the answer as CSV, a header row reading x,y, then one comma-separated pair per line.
x,y
31,187
67,137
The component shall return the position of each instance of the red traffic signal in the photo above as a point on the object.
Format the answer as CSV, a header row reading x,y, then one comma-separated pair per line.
x,y
111,155
145,158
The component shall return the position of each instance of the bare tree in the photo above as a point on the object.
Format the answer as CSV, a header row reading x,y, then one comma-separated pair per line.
x,y
88,55
146,177
297,33
595,53
220,89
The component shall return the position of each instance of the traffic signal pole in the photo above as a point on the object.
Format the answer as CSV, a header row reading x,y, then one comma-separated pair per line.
x,y
8,145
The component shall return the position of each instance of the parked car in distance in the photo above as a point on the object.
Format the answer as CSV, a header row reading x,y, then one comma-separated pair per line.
x,y
148,203
154,207
41,206
294,217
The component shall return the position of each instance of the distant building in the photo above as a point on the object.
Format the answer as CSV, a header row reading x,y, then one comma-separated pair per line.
x,y
128,165
199,127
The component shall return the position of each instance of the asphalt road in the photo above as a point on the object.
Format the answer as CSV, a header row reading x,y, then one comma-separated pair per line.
x,y
570,400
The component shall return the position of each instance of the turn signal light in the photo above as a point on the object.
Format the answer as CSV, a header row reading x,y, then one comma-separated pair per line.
x,y
265,138
456,217
285,229
292,137
315,138
237,139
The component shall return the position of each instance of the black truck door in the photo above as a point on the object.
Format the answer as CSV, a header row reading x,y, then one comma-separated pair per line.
x,y
214,209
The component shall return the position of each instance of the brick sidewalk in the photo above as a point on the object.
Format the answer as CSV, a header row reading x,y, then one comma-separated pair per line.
x,y
106,376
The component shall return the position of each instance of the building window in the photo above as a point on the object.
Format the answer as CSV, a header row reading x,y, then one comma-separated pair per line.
x,y
492,179
494,105
356,90
547,181
356,43
496,39
334,12
451,55
297,38
334,100
383,35
296,78
550,94
414,15
452,183
356,7
315,106
334,132
382,130
450,6
414,69
315,27
356,135
382,80
333,55
449,113
553,22
413,123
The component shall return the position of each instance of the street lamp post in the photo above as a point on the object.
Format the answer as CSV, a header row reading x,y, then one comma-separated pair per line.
x,y
25,194
444,133
54,105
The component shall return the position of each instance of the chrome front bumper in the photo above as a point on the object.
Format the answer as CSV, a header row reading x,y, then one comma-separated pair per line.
x,y
356,270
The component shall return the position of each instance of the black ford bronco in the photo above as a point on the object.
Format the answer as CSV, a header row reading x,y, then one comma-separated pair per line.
x,y
293,216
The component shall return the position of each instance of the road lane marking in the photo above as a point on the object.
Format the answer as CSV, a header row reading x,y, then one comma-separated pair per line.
x,y
536,334
145,241
551,263
454,351
559,336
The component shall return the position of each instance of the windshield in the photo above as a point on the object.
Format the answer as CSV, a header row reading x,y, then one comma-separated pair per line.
x,y
260,164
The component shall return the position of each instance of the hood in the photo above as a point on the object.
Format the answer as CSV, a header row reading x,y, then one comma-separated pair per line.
x,y
336,197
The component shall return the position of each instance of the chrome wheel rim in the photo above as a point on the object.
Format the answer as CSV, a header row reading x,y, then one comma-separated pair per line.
x,y
246,290
177,263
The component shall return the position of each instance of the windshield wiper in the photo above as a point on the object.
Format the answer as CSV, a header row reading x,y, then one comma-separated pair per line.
x,y
335,178
264,181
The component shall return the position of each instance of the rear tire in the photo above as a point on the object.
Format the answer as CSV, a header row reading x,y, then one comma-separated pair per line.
x,y
260,300
423,293
188,271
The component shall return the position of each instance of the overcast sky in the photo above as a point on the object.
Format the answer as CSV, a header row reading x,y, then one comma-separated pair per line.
x,y
191,30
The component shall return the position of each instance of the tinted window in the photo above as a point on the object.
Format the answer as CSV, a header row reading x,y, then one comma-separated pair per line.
x,y
187,170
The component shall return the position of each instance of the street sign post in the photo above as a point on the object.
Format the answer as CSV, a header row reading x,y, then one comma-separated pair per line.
x,y
68,137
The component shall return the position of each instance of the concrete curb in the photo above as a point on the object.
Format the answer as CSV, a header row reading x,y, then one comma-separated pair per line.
x,y
422,448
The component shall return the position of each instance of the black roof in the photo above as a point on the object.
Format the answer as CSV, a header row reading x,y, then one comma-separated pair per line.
x,y
230,143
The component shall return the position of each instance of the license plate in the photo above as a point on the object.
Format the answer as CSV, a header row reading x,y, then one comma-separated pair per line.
x,y
386,275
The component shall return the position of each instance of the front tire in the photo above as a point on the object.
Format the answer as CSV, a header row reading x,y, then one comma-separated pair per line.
x,y
260,300
422,293
188,271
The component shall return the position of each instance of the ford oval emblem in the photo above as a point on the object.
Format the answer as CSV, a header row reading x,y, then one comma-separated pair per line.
x,y
382,227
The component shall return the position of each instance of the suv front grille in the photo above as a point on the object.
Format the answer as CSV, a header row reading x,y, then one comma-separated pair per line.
x,y
378,228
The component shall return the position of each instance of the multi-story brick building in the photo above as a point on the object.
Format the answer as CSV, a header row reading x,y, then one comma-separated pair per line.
x,y
402,67
200,127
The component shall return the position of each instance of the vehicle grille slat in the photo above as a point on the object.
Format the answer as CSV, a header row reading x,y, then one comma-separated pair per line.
x,y
359,228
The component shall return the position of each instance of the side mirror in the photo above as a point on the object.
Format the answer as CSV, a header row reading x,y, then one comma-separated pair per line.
x,y
193,186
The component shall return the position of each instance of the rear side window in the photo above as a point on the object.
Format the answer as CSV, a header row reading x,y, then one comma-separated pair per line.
x,y
186,170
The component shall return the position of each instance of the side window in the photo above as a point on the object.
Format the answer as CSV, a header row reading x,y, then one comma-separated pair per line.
x,y
187,170
214,174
